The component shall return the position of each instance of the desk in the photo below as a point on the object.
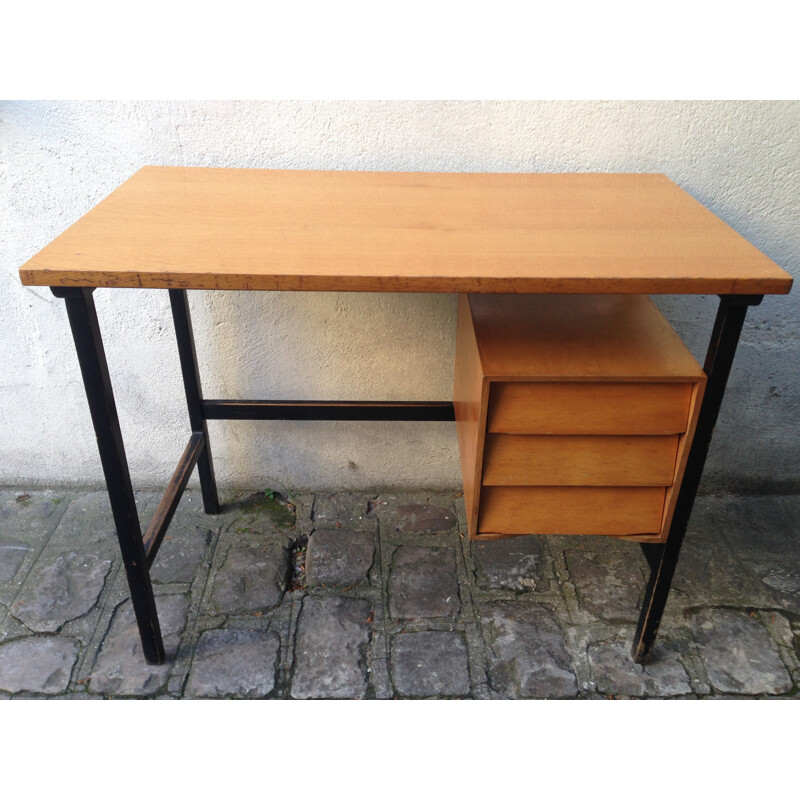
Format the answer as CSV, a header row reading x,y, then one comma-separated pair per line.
x,y
200,228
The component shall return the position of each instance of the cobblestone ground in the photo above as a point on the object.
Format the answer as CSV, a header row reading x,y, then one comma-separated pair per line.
x,y
383,596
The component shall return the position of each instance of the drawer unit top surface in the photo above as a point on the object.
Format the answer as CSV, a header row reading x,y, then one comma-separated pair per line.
x,y
593,337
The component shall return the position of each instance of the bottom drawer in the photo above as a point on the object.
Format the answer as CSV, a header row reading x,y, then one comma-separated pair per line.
x,y
617,511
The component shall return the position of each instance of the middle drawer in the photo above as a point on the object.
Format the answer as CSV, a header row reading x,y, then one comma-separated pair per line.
x,y
552,460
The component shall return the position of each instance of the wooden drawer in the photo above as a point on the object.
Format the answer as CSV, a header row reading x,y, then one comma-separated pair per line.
x,y
589,408
569,509
511,460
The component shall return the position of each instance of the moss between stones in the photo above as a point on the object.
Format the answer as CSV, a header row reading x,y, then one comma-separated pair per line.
x,y
265,512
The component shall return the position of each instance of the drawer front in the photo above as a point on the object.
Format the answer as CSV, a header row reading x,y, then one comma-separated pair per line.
x,y
518,460
589,408
571,510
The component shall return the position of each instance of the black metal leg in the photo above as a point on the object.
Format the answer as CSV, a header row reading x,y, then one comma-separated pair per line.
x,y
194,395
96,380
663,558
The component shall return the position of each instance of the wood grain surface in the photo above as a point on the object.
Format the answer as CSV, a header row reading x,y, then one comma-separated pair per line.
x,y
210,228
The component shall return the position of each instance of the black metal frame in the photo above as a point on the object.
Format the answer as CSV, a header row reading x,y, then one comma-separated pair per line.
x,y
138,552
97,382
663,558
329,410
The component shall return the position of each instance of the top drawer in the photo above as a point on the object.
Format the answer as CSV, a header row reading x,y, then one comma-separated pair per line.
x,y
589,408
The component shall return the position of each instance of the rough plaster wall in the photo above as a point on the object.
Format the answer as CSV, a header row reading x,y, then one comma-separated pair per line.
x,y
59,159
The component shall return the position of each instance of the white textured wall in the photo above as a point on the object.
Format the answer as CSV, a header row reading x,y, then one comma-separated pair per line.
x,y
59,159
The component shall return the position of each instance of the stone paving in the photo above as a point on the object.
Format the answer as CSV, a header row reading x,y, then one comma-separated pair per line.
x,y
383,596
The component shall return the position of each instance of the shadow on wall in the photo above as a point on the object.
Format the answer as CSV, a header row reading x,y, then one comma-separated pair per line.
x,y
374,346
328,346
756,447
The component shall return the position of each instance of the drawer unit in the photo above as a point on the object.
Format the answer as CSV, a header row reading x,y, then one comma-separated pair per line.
x,y
574,415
